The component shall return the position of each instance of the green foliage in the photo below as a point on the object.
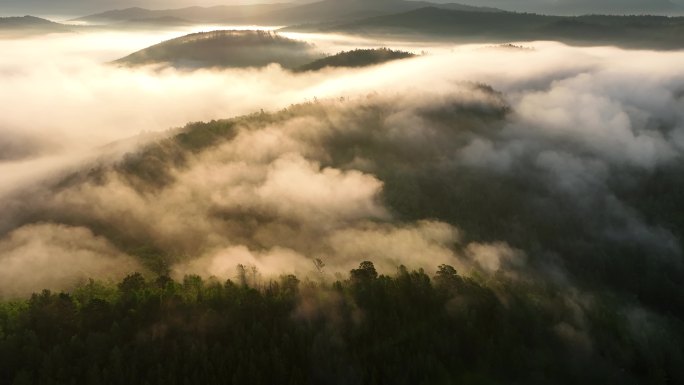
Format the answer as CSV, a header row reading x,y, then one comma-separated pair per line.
x,y
365,273
369,329
199,135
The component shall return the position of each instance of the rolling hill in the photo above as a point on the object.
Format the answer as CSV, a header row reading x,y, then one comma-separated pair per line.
x,y
288,13
356,58
288,186
155,22
223,13
225,49
21,26
253,49
627,31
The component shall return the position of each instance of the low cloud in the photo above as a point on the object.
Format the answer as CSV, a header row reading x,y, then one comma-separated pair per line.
x,y
56,257
495,257
544,171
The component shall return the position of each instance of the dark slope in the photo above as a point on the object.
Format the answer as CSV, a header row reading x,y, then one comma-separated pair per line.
x,y
627,31
19,26
317,12
520,207
225,49
356,58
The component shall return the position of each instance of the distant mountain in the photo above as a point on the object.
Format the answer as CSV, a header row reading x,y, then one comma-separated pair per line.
x,y
225,49
119,15
288,13
155,22
10,26
356,58
224,13
331,10
583,7
627,31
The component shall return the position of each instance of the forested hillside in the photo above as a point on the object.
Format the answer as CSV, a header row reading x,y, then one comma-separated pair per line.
x,y
225,48
406,328
356,58
265,196
551,289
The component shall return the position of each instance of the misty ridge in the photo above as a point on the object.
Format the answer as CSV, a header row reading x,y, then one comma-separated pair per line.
x,y
626,31
276,14
17,27
245,48
366,169
226,49
219,197
193,203
356,58
387,18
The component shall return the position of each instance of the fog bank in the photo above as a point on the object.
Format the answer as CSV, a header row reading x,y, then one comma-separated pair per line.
x,y
413,162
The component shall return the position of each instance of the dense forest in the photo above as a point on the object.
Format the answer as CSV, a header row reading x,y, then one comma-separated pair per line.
x,y
407,328
356,58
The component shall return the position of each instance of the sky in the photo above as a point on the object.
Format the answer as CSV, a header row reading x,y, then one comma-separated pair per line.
x,y
82,7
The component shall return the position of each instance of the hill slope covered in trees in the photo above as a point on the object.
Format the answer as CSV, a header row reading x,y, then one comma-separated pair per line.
x,y
356,58
404,328
562,278
228,48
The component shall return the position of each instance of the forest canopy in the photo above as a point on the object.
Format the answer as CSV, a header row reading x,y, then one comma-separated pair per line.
x,y
404,328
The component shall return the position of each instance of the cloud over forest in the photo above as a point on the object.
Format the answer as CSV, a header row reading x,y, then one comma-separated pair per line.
x,y
556,164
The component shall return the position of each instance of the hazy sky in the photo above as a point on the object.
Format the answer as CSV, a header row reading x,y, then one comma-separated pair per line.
x,y
81,7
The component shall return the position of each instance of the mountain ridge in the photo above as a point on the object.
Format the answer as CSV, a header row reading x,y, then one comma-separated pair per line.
x,y
626,31
286,13
29,25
